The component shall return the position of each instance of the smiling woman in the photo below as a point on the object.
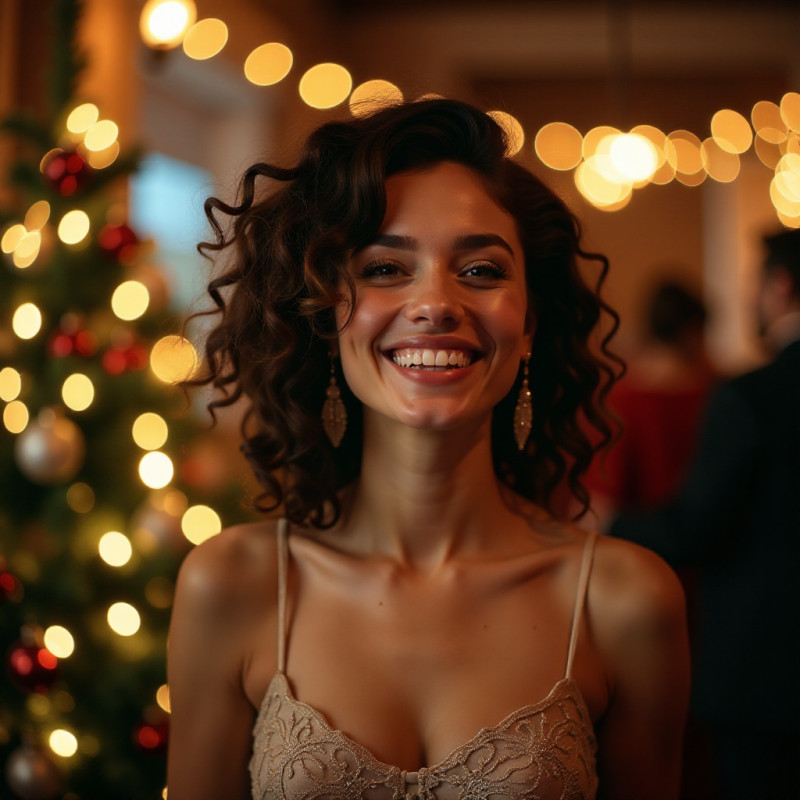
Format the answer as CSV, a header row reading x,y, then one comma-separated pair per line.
x,y
405,314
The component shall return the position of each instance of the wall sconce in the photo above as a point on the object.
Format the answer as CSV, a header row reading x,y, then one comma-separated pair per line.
x,y
163,23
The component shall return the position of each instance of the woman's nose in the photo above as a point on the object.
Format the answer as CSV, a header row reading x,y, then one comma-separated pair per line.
x,y
435,300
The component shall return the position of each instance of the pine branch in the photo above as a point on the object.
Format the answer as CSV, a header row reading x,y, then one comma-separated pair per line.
x,y
28,128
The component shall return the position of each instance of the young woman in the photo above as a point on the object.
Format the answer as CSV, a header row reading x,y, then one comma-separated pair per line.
x,y
405,314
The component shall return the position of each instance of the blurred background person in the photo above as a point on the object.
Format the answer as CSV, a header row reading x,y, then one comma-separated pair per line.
x,y
659,403
737,518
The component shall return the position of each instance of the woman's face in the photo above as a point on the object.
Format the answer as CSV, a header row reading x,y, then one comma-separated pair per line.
x,y
441,314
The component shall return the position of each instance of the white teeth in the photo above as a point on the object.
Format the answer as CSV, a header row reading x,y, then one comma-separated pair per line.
x,y
424,357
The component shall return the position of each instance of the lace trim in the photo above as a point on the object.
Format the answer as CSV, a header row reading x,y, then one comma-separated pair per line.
x,y
544,751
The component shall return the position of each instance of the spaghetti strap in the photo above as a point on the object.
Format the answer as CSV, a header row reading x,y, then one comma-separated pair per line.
x,y
580,598
283,560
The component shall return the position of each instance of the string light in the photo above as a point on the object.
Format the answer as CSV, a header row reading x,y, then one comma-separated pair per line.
x,y
268,64
156,469
200,523
163,23
10,384
325,85
77,391
37,215
101,135
63,743
162,698
16,416
82,118
115,548
27,321
205,39
515,135
80,498
173,359
373,95
12,237
130,300
123,619
150,431
74,227
59,641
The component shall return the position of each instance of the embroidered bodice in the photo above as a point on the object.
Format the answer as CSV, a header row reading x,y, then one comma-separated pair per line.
x,y
542,751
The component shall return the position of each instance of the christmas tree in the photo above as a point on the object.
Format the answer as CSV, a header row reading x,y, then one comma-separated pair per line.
x,y
103,489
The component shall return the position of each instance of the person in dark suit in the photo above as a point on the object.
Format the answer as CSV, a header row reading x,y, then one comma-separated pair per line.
x,y
737,520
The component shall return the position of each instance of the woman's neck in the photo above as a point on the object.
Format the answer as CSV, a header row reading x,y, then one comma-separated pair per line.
x,y
423,495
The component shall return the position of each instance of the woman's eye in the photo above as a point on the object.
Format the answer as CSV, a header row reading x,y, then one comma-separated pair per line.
x,y
380,269
485,271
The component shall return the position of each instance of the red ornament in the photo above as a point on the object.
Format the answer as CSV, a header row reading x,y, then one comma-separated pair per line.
x,y
136,357
80,342
151,737
32,668
67,172
118,242
10,587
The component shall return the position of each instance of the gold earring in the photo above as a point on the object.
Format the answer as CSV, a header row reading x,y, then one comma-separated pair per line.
x,y
334,414
523,413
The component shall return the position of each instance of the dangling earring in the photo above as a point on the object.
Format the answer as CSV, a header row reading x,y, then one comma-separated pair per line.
x,y
523,413
334,414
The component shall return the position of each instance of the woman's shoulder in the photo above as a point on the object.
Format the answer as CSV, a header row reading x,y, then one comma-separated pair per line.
x,y
236,568
632,592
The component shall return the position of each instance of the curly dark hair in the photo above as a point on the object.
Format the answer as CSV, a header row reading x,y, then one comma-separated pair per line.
x,y
276,301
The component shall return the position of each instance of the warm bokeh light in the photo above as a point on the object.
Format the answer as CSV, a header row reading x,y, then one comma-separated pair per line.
x,y
115,548
78,391
791,145
691,178
768,153
149,431
784,204
156,469
80,498
27,321
27,249
123,619
63,743
163,23
37,215
100,159
633,156
162,698
720,163
684,153
373,95
200,523
130,300
594,137
59,641
74,227
16,416
790,111
101,135
268,64
82,118
731,131
789,222
205,38
325,85
559,146
159,592
10,384
512,127
597,188
768,122
174,502
173,359
12,237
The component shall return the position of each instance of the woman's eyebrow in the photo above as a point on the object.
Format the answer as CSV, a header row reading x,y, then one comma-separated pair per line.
x,y
472,241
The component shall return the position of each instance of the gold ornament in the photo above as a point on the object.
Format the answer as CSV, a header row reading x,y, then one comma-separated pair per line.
x,y
50,450
523,413
334,414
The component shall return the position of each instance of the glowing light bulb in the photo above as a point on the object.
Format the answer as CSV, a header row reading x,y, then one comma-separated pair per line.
x,y
78,391
101,135
82,117
156,469
63,743
10,384
150,431
115,548
325,85
123,619
200,523
163,23
37,215
12,237
268,64
74,227
16,416
173,359
162,697
633,156
59,641
130,300
80,498
205,39
27,321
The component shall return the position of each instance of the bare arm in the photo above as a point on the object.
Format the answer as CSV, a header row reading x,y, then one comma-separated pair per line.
x,y
638,617
210,634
